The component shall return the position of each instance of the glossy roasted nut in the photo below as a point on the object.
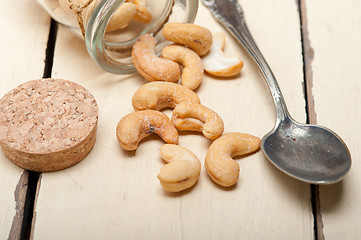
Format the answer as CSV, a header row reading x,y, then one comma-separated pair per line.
x,y
216,63
134,127
159,95
182,169
196,117
194,36
220,166
150,66
193,72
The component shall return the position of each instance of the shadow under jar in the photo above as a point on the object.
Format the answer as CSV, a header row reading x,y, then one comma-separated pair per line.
x,y
111,27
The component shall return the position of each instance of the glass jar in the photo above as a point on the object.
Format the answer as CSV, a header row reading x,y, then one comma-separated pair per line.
x,y
110,27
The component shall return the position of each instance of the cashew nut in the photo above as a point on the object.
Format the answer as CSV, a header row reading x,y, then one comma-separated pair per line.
x,y
159,95
83,8
192,73
134,127
122,17
219,164
149,65
216,63
182,170
196,117
196,37
143,15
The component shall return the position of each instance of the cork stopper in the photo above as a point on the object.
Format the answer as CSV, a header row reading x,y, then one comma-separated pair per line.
x,y
48,124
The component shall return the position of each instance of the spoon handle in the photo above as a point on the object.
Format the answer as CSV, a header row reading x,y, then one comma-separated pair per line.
x,y
230,14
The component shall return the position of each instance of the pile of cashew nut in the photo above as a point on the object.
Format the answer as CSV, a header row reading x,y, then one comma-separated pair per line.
x,y
192,42
130,10
194,48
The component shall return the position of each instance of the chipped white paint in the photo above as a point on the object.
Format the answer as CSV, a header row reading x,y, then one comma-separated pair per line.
x,y
24,26
114,194
335,35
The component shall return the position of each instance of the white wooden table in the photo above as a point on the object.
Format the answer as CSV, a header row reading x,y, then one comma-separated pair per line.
x,y
116,195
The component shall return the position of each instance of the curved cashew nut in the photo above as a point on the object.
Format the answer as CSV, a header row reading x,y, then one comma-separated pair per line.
x,y
149,65
216,63
219,164
143,15
134,127
196,37
83,8
183,168
122,17
159,95
192,73
196,117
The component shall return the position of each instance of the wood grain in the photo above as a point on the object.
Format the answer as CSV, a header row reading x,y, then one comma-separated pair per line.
x,y
114,194
24,27
335,36
20,199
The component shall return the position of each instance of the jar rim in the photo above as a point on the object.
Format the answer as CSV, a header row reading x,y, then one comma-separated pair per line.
x,y
95,33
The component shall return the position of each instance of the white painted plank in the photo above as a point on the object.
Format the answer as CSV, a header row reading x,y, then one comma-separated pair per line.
x,y
24,26
116,195
335,35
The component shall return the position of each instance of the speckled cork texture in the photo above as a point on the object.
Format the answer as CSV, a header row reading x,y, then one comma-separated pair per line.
x,y
48,125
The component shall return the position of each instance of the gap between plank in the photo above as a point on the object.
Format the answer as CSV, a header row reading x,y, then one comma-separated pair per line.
x,y
29,204
49,55
308,55
34,177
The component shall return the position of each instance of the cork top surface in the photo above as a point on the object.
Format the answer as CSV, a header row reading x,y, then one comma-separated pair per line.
x,y
47,115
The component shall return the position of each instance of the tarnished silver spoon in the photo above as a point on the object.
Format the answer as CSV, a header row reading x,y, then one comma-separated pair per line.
x,y
309,153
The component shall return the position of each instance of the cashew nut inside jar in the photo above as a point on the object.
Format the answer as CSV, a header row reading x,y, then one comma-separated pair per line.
x,y
111,27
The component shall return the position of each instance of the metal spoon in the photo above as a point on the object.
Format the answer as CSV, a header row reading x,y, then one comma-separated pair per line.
x,y
306,152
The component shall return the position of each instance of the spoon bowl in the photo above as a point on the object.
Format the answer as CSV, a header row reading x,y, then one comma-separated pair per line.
x,y
309,153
